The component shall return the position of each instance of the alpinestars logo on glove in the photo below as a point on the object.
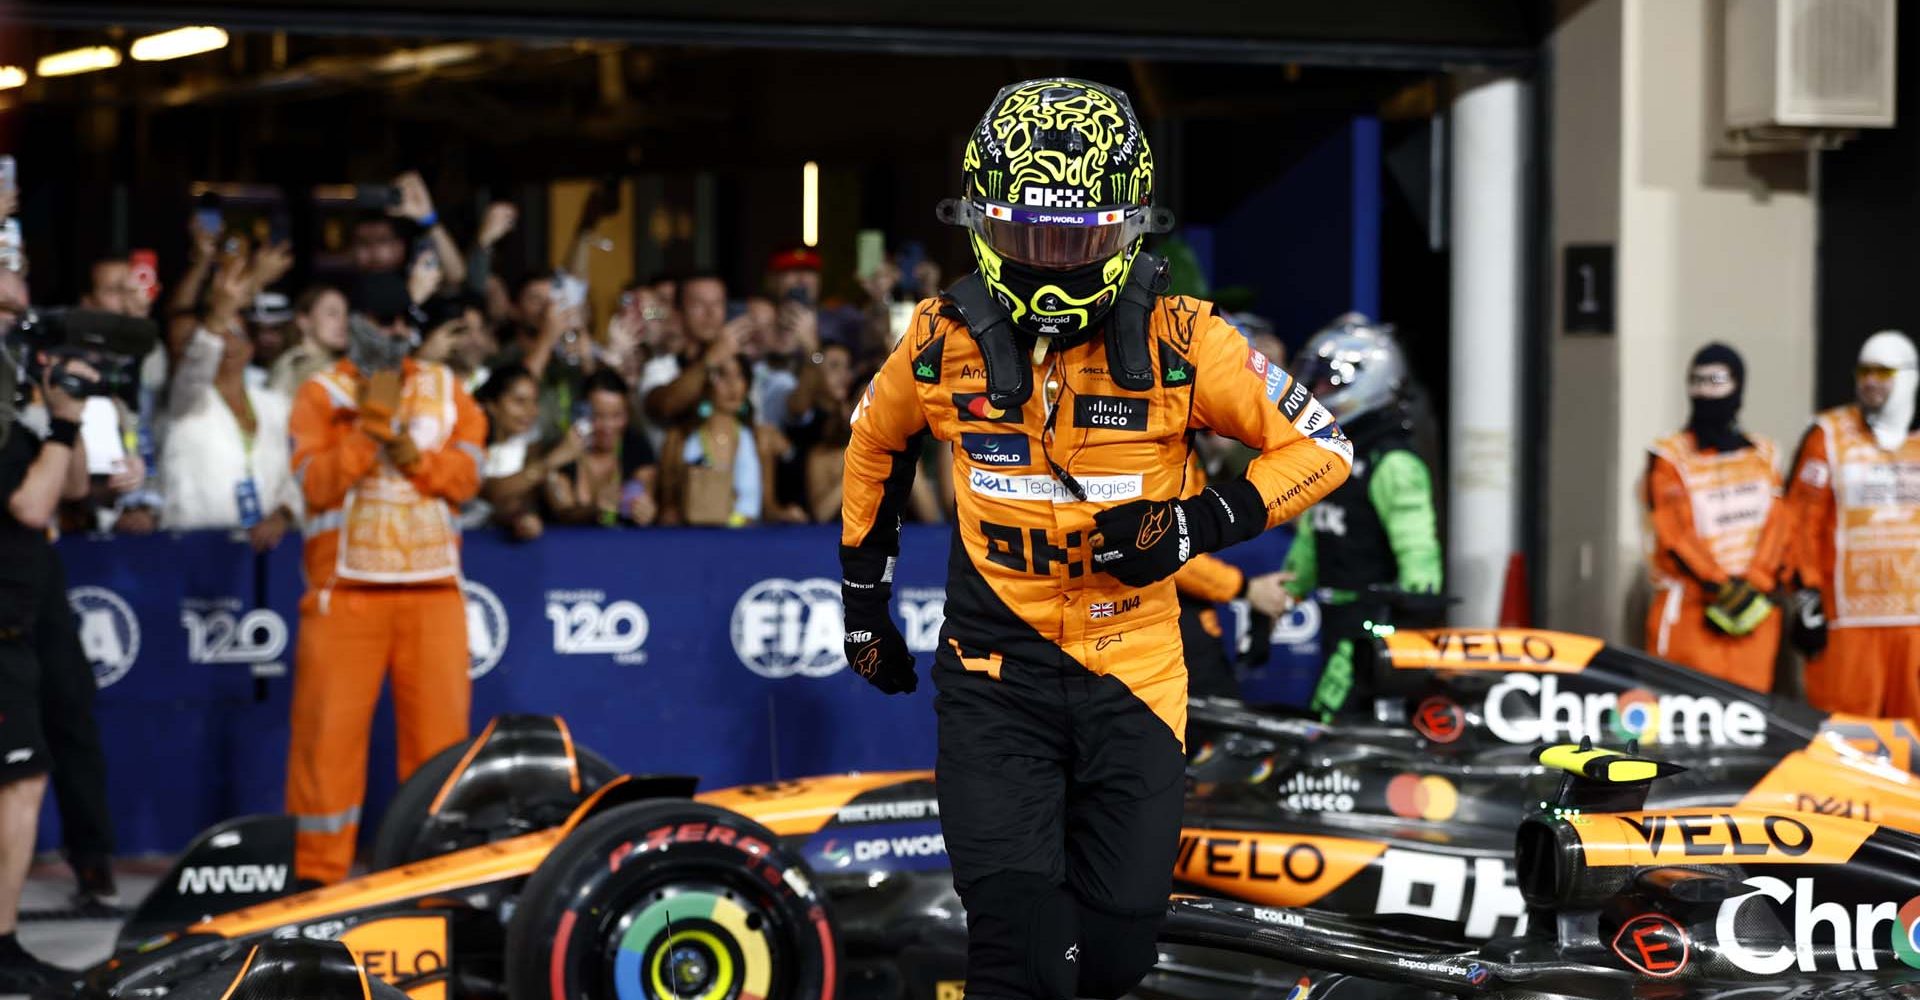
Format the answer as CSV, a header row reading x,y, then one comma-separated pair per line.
x,y
1151,528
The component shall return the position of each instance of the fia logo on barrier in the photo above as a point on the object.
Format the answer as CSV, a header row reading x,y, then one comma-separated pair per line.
x,y
486,629
586,623
786,627
219,630
109,633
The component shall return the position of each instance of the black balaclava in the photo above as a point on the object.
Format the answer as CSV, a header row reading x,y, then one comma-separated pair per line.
x,y
1713,422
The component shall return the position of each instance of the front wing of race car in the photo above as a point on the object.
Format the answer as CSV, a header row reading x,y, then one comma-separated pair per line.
x,y
403,925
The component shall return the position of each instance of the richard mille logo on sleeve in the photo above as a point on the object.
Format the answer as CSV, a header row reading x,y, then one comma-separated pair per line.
x,y
1110,413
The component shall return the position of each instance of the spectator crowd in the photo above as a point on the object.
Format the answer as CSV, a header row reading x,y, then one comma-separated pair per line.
x,y
693,403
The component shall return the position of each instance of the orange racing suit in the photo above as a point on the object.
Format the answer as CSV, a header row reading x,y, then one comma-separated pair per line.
x,y
383,592
1714,518
1856,514
1019,581
1062,692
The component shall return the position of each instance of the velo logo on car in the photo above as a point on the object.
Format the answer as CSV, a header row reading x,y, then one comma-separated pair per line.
x,y
1120,413
1744,838
1850,937
1272,869
996,449
109,632
586,623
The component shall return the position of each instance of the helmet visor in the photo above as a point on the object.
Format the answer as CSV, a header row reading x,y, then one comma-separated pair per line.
x,y
1325,375
1057,239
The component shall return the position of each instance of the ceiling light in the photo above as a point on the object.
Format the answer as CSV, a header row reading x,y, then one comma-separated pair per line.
x,y
177,43
11,77
810,204
79,61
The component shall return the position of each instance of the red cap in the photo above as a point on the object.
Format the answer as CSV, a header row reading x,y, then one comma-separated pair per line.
x,y
795,259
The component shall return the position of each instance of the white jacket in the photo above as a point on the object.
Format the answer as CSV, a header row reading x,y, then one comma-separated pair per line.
x,y
204,458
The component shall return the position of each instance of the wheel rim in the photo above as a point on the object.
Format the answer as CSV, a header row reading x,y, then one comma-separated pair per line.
x,y
692,942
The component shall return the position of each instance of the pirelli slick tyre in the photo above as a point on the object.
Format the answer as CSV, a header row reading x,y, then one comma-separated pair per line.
x,y
671,900
409,832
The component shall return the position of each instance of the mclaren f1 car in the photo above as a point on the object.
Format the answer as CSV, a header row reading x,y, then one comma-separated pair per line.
x,y
671,898
522,865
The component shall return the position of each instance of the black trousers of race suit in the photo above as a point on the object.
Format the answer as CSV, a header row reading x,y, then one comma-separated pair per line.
x,y
67,689
1061,794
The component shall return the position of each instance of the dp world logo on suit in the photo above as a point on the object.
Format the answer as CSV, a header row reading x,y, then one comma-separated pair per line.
x,y
793,628
109,633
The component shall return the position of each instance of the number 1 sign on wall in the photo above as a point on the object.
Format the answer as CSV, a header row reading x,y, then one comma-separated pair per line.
x,y
1586,288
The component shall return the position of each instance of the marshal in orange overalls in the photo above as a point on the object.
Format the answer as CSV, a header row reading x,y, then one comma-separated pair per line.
x,y
1714,519
383,593
1856,508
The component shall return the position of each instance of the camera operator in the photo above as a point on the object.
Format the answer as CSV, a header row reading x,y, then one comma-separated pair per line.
x,y
36,472
64,678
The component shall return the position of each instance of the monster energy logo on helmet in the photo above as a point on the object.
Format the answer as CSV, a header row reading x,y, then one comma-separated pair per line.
x,y
1057,181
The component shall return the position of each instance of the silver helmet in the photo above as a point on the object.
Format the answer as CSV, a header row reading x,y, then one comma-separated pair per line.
x,y
1353,366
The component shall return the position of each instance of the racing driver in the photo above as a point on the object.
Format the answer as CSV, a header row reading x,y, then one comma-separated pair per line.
x,y
1067,384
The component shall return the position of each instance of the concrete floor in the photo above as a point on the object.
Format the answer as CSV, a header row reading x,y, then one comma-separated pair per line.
x,y
76,944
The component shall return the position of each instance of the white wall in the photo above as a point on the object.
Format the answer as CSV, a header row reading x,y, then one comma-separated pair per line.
x,y
1709,248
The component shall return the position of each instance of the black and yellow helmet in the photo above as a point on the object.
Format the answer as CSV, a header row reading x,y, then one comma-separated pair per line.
x,y
1058,193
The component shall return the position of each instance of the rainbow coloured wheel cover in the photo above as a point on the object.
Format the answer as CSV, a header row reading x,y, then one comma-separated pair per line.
x,y
694,945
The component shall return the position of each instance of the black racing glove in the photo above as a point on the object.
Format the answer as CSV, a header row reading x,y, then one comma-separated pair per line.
x,y
874,647
1807,631
1145,541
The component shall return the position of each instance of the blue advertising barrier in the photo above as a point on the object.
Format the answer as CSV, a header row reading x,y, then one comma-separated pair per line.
x,y
713,653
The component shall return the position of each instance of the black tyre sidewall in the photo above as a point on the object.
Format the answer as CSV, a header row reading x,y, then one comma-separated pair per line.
x,y
619,849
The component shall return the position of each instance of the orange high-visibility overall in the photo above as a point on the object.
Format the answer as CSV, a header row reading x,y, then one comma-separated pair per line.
x,y
1857,514
1714,519
383,595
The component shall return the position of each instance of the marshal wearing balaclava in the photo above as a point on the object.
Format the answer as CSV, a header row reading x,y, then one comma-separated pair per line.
x,y
1717,533
1716,380
1886,376
1854,501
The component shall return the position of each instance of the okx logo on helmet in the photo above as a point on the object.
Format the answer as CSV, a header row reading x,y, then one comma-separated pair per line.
x,y
1058,192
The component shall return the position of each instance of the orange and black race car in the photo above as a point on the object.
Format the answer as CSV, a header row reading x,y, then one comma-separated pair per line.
x,y
522,865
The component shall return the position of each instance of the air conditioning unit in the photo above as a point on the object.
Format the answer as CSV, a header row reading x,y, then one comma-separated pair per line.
x,y
1806,73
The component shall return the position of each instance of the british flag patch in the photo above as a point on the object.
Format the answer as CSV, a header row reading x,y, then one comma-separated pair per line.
x,y
1104,609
